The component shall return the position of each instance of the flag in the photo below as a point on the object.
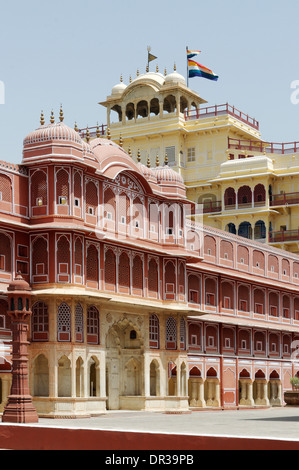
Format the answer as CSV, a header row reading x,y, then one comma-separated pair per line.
x,y
151,57
192,53
197,70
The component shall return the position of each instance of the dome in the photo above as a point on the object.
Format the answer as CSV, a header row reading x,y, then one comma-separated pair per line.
x,y
150,77
19,284
147,172
165,174
175,77
119,88
53,131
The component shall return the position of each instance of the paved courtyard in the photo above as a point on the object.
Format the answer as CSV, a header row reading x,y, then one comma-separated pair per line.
x,y
275,423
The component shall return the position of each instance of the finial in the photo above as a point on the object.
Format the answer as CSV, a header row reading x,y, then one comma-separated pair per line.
x,y
130,80
76,127
61,117
137,72
129,152
138,156
165,72
174,67
52,118
147,68
87,135
148,162
165,159
108,133
157,160
157,68
121,141
98,130
42,119
121,79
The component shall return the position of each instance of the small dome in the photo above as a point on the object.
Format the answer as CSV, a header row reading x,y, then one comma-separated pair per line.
x,y
175,77
56,131
19,284
148,173
119,88
165,174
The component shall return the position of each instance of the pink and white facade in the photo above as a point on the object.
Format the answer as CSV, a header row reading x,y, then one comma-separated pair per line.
x,y
136,306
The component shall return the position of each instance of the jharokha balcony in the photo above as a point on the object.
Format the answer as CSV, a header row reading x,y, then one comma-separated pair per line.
x,y
284,199
257,146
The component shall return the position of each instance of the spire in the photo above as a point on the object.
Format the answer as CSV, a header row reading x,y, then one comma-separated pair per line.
x,y
174,67
76,127
138,156
87,135
61,117
52,118
42,119
108,133
165,72
98,131
157,68
121,79
148,162
165,159
137,72
157,160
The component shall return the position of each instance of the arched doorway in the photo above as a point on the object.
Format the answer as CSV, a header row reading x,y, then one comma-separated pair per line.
x,y
124,366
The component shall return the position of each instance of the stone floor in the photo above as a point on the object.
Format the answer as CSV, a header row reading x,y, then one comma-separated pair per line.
x,y
275,423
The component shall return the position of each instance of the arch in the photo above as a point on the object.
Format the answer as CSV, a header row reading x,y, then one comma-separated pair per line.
x,y
62,187
244,374
273,304
210,246
142,108
78,259
92,265
124,277
260,230
231,228
94,377
130,111
258,260
195,372
109,207
154,106
243,298
79,377
245,230
244,196
64,322
227,292
226,250
110,270
194,336
171,333
169,104
170,280
259,301
229,198
259,195
153,278
137,214
91,198
211,372
41,376
39,259
193,288
39,189
64,377
260,374
132,378
210,292
154,378
63,257
137,274
5,253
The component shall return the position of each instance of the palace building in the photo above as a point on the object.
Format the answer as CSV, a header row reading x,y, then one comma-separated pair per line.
x,y
246,186
136,304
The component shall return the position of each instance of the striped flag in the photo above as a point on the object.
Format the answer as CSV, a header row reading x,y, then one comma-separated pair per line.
x,y
197,70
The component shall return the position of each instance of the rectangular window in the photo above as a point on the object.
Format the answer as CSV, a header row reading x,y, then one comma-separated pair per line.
x,y
62,200
40,268
2,263
243,344
273,310
191,154
226,302
243,305
170,152
211,341
210,299
193,296
77,202
194,340
227,343
258,308
259,346
286,313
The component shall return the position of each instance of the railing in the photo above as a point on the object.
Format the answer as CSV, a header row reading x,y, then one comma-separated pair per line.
x,y
93,131
219,110
258,146
283,236
283,199
211,206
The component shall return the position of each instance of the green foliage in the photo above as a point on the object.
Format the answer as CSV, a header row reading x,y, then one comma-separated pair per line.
x,y
294,382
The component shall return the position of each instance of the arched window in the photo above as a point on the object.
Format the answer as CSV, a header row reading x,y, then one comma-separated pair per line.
x,y
64,322
5,253
137,273
229,198
40,322
77,192
182,334
63,259
110,270
5,189
39,259
153,284
92,264
62,188
39,190
244,196
154,332
259,195
78,257
79,324
93,325
124,270
91,198
171,333
170,281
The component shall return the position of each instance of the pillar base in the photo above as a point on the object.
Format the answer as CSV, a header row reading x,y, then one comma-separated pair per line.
x,y
19,409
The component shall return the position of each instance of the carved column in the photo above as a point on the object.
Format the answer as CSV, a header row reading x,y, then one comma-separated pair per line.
x,y
19,408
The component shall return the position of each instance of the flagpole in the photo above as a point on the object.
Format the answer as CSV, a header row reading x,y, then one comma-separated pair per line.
x,y
187,67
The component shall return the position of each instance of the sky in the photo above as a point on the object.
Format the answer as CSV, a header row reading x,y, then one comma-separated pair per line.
x,y
72,52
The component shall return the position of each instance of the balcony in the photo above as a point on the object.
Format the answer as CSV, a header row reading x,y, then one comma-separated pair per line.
x,y
284,199
210,206
261,147
284,236
220,110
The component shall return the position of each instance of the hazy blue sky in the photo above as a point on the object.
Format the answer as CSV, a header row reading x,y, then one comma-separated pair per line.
x,y
73,52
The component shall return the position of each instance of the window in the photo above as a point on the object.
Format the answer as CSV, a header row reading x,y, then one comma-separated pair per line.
x,y
227,343
286,313
77,202
169,231
194,340
273,310
154,335
40,322
122,219
243,344
93,325
258,308
133,334
109,216
193,296
273,347
210,299
243,305
211,341
2,263
62,200
170,152
226,302
259,346
2,321
191,154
